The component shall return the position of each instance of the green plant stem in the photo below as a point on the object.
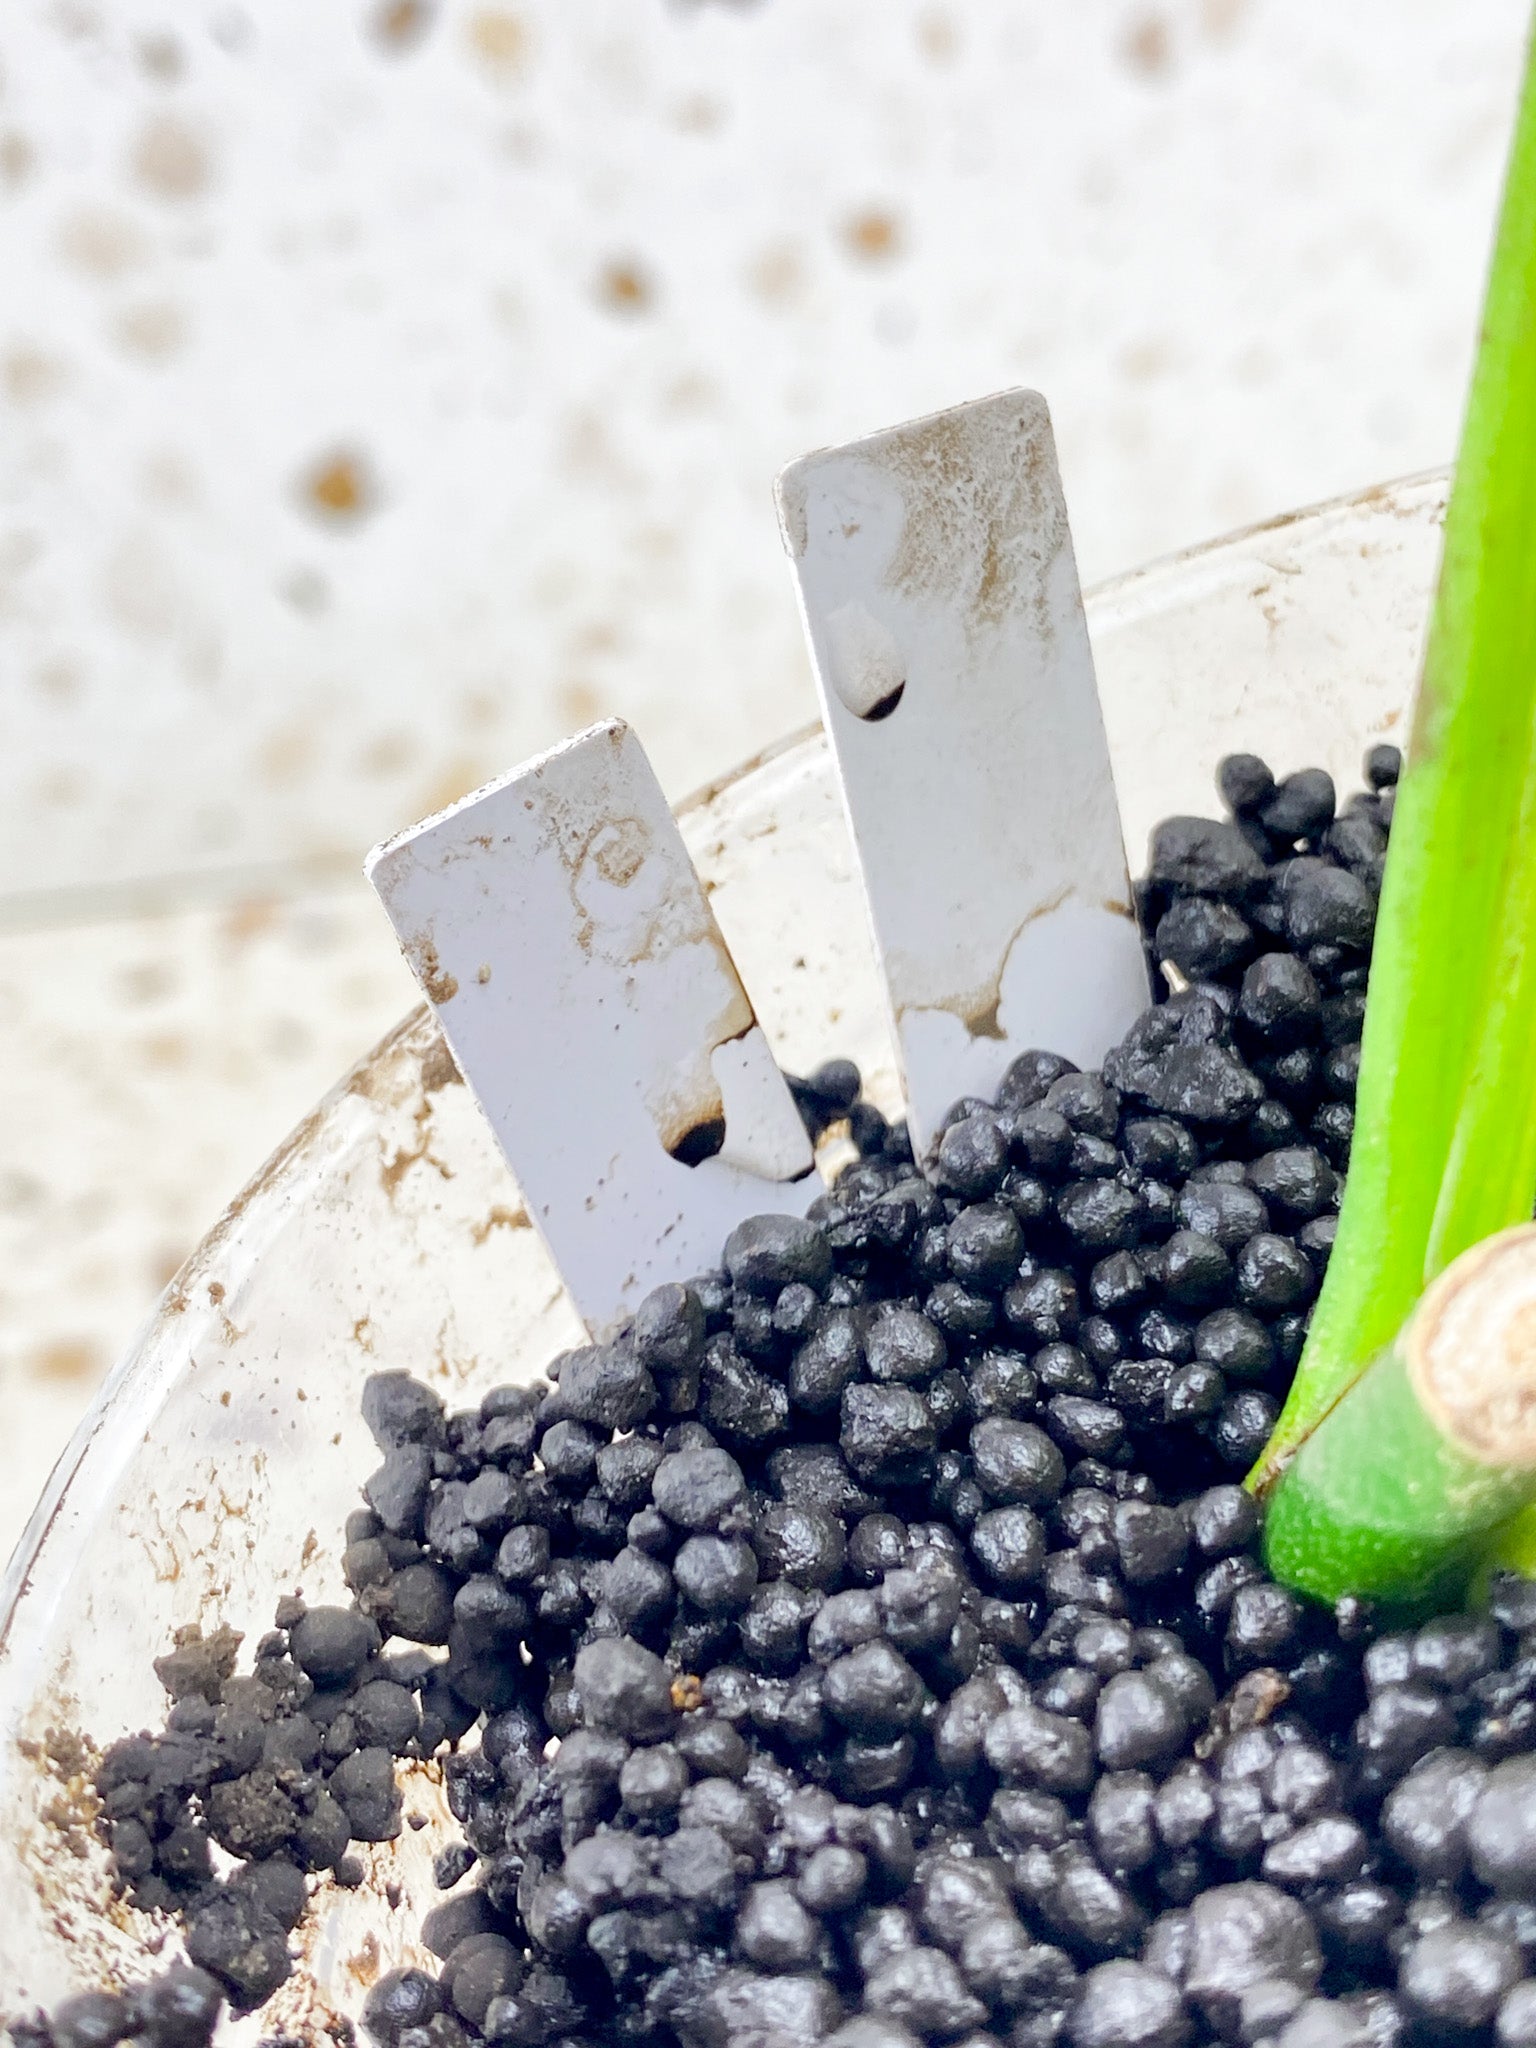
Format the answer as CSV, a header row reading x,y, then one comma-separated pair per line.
x,y
1513,1548
1491,1170
1388,1498
1445,1117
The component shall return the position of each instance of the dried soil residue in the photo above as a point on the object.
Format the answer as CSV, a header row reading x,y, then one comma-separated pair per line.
x,y
66,1862
982,506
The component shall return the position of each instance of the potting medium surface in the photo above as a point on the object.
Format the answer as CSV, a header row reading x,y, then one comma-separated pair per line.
x,y
386,1234
869,1645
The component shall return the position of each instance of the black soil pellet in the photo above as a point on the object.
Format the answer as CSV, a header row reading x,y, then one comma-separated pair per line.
x,y
869,1645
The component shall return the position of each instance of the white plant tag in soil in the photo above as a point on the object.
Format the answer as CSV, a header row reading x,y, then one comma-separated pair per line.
x,y
561,935
941,600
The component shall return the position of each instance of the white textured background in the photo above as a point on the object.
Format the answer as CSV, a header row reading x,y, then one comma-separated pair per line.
x,y
388,389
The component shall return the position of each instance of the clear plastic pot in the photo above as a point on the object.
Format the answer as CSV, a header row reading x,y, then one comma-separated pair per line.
x,y
223,1454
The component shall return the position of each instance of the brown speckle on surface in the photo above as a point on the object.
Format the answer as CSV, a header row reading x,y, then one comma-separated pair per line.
x,y
248,919
166,1263
171,159
64,785
283,756
1146,45
306,590
339,486
59,680
399,24
580,704
388,753
937,37
777,274
1219,18
154,329
499,42
167,478
70,1359
479,707
102,243
1140,361
16,157
624,287
873,235
147,981
30,375
160,56
698,115
456,778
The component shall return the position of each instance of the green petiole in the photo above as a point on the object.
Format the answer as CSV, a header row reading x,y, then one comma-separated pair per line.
x,y
1400,1488
1444,1151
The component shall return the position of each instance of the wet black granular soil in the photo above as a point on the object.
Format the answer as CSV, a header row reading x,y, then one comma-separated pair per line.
x,y
869,1647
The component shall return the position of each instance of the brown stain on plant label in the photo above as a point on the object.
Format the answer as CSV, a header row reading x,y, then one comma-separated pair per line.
x,y
977,1008
687,1107
670,914
501,1218
619,849
420,950
982,509
982,514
